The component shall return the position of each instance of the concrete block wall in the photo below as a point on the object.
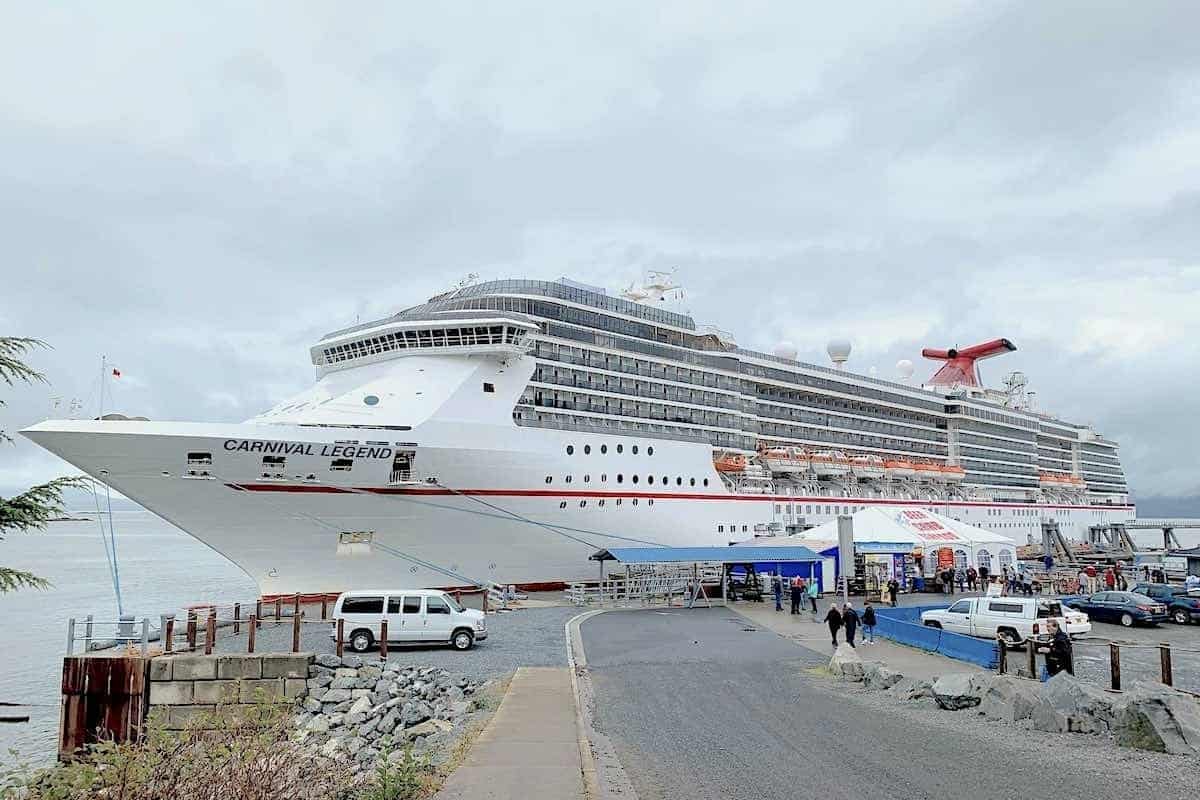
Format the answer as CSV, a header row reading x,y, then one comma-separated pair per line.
x,y
187,685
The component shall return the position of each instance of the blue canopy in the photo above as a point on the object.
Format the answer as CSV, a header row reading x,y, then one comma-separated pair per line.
x,y
723,555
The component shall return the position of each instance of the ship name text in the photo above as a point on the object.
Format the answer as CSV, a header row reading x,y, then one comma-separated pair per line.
x,y
307,449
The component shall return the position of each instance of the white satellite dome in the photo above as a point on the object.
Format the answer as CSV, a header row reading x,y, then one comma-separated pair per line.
x,y
905,368
839,351
786,349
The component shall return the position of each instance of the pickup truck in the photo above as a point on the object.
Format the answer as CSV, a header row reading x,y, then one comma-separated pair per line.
x,y
1013,618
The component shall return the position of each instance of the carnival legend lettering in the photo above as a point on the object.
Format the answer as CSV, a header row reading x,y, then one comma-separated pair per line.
x,y
305,449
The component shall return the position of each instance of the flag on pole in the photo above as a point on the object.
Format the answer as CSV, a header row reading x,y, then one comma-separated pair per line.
x,y
116,373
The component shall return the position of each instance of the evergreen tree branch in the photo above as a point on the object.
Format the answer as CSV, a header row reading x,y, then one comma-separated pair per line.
x,y
36,506
13,579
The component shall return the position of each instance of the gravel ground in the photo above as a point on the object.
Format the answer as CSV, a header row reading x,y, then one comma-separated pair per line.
x,y
531,637
698,707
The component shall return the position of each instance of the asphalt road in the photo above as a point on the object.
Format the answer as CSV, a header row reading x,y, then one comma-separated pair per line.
x,y
698,707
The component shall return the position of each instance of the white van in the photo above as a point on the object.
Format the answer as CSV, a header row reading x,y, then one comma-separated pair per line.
x,y
413,615
1014,618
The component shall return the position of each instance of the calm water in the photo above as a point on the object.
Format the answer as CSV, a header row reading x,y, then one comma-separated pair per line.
x,y
162,569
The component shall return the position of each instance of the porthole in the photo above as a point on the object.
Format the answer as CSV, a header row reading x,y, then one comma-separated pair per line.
x,y
620,478
635,501
635,478
371,400
634,449
650,479
601,502
620,448
604,477
706,481
691,481
650,501
567,479
666,480
587,478
549,479
679,481
649,451
587,449
563,504
582,503
570,449
618,501
603,449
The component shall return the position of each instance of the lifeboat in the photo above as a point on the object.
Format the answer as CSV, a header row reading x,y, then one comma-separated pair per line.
x,y
786,460
730,462
868,467
829,463
1053,479
928,471
900,467
953,472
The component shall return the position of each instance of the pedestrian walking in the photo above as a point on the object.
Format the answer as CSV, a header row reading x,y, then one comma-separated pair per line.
x,y
833,618
1082,580
813,592
984,574
797,593
850,623
868,623
972,576
777,588
1059,657
960,577
893,587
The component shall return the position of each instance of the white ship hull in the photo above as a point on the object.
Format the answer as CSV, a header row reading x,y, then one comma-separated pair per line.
x,y
490,517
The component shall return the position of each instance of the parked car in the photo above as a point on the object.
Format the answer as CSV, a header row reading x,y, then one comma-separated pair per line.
x,y
413,615
1181,606
1127,608
1013,618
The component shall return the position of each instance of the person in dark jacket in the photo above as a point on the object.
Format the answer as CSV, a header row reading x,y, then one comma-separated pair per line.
x,y
868,623
777,589
849,622
893,587
833,618
1058,651
983,579
797,594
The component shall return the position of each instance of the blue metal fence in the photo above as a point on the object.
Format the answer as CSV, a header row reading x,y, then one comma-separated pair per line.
x,y
903,625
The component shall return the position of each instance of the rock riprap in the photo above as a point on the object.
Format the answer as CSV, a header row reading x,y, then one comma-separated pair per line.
x,y
359,710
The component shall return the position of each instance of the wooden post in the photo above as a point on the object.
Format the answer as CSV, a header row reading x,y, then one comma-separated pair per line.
x,y
169,636
296,631
191,631
1164,657
296,604
71,636
1002,643
250,633
210,633
485,600
1032,649
258,611
383,640
1114,665
278,609
340,634
324,606
237,618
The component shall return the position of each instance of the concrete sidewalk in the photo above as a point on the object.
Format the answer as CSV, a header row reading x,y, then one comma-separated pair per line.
x,y
800,628
530,748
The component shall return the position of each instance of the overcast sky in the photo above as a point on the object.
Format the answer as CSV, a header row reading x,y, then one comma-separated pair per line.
x,y
200,192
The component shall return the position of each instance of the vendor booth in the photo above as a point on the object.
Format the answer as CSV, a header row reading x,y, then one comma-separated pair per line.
x,y
904,542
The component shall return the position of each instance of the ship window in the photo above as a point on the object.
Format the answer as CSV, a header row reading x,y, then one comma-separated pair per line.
x,y
650,479
567,479
665,480
706,481
620,478
371,400
650,501
603,477
274,461
601,502
587,478
341,464
649,451
635,478
635,501
563,504
489,387
744,528
634,449
570,449
549,478
603,449
679,481
618,501
720,529
582,503
587,449
199,459
620,448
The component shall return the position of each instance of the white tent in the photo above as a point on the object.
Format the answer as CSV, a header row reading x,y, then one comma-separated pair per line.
x,y
910,530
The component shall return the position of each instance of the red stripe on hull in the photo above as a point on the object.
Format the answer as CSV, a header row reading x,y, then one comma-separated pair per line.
x,y
387,490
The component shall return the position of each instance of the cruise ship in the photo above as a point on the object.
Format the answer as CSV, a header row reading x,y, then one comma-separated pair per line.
x,y
504,431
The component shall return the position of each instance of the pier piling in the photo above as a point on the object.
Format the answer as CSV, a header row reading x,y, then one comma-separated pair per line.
x,y
340,634
237,618
383,639
1164,657
251,632
1114,665
210,632
169,636
296,618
